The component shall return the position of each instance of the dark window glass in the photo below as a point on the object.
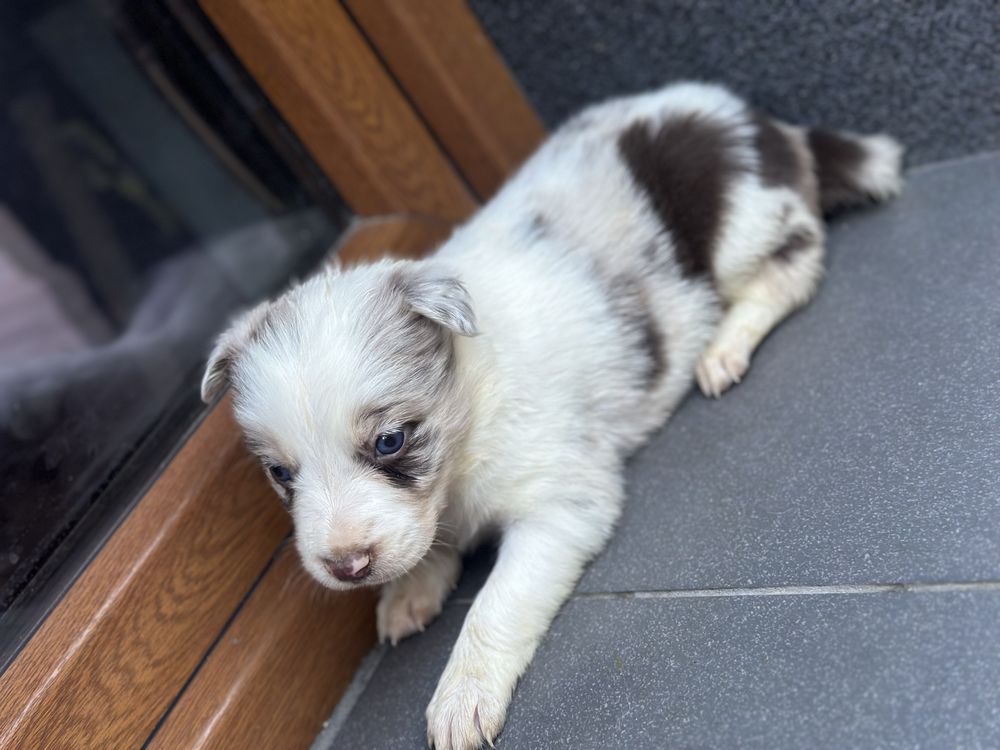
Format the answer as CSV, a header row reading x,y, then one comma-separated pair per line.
x,y
147,192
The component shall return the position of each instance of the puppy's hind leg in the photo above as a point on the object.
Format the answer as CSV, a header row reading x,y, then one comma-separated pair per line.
x,y
784,282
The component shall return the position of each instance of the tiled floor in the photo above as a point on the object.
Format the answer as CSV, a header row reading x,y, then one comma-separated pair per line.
x,y
813,560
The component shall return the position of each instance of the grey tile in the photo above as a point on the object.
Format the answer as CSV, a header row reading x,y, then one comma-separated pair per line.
x,y
475,569
863,448
864,444
889,670
390,711
926,72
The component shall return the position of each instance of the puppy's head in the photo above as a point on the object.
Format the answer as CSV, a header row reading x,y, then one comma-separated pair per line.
x,y
346,388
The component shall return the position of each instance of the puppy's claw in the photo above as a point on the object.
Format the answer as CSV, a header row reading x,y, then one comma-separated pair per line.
x,y
718,369
464,715
479,728
406,607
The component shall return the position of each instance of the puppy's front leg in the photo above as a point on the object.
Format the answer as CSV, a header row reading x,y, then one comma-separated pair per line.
x,y
408,604
538,564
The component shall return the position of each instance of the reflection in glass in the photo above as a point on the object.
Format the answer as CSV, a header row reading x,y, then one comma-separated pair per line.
x,y
142,202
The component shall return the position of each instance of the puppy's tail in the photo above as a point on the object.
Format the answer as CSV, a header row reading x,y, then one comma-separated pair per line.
x,y
855,169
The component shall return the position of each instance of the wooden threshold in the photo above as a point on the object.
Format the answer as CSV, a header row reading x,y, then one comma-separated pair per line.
x,y
114,652
280,668
391,236
139,625
318,70
449,68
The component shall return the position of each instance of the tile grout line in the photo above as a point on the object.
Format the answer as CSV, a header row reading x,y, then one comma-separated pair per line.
x,y
722,593
345,706
873,588
366,670
932,166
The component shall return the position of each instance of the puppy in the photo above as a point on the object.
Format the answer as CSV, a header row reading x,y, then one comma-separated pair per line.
x,y
404,410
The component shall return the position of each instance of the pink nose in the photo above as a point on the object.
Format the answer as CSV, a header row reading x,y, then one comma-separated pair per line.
x,y
350,567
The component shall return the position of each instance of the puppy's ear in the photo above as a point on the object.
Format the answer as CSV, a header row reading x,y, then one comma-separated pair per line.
x,y
228,347
438,296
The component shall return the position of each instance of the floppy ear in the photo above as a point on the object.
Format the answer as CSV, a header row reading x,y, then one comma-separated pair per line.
x,y
228,347
438,296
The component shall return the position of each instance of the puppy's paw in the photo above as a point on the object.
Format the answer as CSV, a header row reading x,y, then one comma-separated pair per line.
x,y
463,714
408,605
719,368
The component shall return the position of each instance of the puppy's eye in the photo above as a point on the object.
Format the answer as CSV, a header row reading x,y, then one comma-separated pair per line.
x,y
389,442
281,474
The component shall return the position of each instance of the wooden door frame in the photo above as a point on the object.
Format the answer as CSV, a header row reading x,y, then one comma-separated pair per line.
x,y
194,625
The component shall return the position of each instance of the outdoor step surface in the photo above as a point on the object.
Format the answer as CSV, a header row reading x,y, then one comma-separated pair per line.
x,y
767,532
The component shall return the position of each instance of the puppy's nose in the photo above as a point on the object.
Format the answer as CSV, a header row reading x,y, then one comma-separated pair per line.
x,y
350,567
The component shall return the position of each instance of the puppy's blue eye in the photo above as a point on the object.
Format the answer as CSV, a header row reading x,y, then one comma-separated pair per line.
x,y
281,474
389,442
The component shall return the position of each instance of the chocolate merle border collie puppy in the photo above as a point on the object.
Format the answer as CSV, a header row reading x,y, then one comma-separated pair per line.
x,y
405,410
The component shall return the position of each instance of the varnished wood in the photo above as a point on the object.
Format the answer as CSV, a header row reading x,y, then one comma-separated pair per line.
x,y
280,668
320,73
453,74
392,236
113,654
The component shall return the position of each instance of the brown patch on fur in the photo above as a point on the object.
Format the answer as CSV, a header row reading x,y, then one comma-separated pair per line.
x,y
539,226
627,299
808,184
417,351
274,315
657,254
438,297
415,463
651,252
654,343
220,372
261,329
779,164
837,159
685,167
795,243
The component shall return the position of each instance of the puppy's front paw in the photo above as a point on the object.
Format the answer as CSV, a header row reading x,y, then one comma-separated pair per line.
x,y
463,714
719,368
408,605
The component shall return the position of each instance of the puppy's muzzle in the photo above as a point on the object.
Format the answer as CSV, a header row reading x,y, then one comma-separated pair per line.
x,y
351,567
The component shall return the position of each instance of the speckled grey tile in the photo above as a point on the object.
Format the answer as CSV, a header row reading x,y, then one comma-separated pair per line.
x,y
390,711
864,445
475,569
926,71
888,670
863,448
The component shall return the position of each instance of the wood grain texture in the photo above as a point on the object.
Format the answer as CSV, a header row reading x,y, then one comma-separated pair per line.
x,y
113,654
318,70
390,236
280,669
455,77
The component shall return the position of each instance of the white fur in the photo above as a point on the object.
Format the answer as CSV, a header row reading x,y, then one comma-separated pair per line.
x,y
548,400
881,172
